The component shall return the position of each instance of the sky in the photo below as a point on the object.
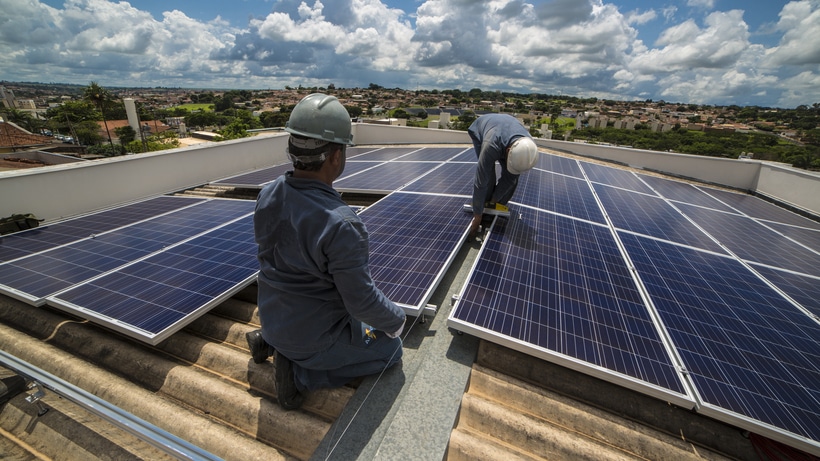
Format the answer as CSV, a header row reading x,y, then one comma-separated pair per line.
x,y
718,52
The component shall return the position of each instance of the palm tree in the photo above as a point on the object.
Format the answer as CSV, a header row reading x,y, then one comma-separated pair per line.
x,y
99,96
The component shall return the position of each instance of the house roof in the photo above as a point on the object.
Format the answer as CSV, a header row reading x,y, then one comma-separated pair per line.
x,y
454,396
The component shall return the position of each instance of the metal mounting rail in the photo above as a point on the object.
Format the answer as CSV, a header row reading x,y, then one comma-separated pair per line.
x,y
153,435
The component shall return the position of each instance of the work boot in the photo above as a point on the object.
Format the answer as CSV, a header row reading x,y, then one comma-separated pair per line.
x,y
287,393
260,350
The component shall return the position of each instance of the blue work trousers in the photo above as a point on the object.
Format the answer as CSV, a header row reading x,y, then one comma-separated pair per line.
x,y
356,353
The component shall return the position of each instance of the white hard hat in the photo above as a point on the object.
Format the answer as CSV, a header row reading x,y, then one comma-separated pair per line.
x,y
522,156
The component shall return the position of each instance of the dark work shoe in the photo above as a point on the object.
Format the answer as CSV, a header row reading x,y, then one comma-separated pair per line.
x,y
260,350
286,391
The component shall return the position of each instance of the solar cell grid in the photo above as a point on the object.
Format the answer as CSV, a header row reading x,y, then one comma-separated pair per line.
x,y
437,154
384,178
683,192
413,238
651,215
759,208
805,236
35,277
466,156
558,164
801,288
615,177
560,286
152,298
449,178
384,154
751,241
256,179
59,233
753,357
558,193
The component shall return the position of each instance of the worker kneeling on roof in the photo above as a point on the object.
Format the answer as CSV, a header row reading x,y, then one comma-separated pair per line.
x,y
322,317
498,138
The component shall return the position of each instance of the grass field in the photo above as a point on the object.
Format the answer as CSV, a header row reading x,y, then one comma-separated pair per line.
x,y
196,107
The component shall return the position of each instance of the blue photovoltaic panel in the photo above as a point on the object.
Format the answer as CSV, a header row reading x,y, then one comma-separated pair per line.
x,y
413,239
386,177
683,192
802,235
35,277
652,216
615,177
466,156
449,178
433,154
559,288
354,167
384,154
46,237
803,289
558,193
558,164
353,151
752,355
759,208
256,179
751,241
155,297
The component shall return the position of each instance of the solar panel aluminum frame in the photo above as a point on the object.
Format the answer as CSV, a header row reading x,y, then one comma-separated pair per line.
x,y
561,359
759,427
138,333
40,301
422,307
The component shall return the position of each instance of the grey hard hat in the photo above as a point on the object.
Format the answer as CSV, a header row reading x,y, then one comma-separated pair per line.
x,y
320,116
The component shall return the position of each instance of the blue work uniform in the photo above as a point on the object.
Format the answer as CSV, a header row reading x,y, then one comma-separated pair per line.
x,y
492,134
317,300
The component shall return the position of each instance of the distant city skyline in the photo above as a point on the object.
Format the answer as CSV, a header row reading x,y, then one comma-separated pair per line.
x,y
717,52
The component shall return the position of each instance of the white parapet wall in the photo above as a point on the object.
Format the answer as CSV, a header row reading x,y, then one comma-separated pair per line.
x,y
59,191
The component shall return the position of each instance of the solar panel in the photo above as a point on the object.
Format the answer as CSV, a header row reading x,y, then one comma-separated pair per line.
x,y
559,289
683,192
413,239
803,289
384,178
652,216
449,178
804,236
384,154
255,179
354,167
558,164
33,278
759,208
752,241
152,298
558,193
466,156
428,154
615,177
42,238
754,357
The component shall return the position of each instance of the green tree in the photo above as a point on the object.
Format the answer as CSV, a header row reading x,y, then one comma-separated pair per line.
x,y
464,120
273,119
99,96
235,130
126,134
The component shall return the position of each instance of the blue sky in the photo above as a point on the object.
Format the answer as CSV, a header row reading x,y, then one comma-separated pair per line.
x,y
752,52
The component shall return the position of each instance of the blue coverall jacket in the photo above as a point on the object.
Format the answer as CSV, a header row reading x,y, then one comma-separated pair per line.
x,y
314,275
492,134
